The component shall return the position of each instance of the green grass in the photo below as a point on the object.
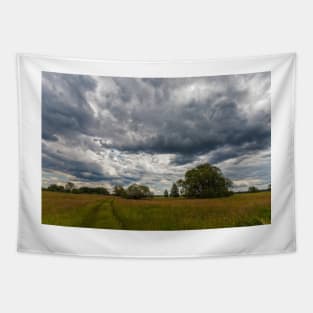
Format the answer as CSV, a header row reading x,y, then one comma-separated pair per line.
x,y
96,211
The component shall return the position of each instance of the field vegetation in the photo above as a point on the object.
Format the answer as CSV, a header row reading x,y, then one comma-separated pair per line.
x,y
202,199
160,213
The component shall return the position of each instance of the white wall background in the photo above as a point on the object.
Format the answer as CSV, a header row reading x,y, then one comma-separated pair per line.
x,y
155,30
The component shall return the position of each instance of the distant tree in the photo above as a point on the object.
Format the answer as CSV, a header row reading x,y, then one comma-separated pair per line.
x,y
93,190
181,186
119,191
55,187
52,187
165,193
136,191
69,186
253,189
104,191
174,191
205,181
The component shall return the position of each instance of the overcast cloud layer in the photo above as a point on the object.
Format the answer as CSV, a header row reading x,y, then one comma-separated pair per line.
x,y
107,131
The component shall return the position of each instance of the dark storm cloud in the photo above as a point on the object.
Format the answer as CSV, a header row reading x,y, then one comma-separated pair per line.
x,y
86,170
64,107
198,126
82,170
222,117
241,149
250,172
198,129
182,159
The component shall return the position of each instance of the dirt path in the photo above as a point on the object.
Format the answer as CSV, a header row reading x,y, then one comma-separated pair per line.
x,y
114,212
101,215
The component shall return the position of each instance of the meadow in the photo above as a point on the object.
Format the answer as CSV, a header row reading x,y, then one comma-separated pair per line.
x,y
110,212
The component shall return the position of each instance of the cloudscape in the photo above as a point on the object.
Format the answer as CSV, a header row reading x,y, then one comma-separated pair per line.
x,y
103,131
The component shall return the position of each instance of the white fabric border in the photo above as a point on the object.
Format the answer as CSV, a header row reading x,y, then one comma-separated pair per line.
x,y
278,237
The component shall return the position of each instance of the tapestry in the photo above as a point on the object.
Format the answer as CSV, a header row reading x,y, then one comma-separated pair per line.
x,y
156,159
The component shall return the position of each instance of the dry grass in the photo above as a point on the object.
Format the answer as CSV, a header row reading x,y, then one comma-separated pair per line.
x,y
156,214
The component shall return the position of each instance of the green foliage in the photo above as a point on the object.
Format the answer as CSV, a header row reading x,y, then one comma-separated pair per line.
x,y
174,191
165,193
69,187
93,190
180,185
55,187
119,191
96,211
253,189
205,181
136,191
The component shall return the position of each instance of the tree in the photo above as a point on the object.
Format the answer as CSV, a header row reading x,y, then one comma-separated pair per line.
x,y
55,187
69,186
181,186
253,189
205,181
174,191
119,191
92,190
136,191
165,193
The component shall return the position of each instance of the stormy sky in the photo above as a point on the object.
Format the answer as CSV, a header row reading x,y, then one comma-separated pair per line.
x,y
102,131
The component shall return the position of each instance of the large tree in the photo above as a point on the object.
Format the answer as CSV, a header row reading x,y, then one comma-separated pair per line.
x,y
205,181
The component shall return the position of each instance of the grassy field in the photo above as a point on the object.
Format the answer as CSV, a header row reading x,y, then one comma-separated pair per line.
x,y
96,211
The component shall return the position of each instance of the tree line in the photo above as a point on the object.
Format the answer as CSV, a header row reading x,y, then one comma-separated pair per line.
x,y
70,188
203,181
253,189
134,191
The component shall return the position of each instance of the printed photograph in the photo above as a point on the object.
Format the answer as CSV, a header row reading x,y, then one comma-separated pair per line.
x,y
156,153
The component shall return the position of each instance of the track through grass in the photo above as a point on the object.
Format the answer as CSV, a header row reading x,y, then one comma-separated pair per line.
x,y
96,211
